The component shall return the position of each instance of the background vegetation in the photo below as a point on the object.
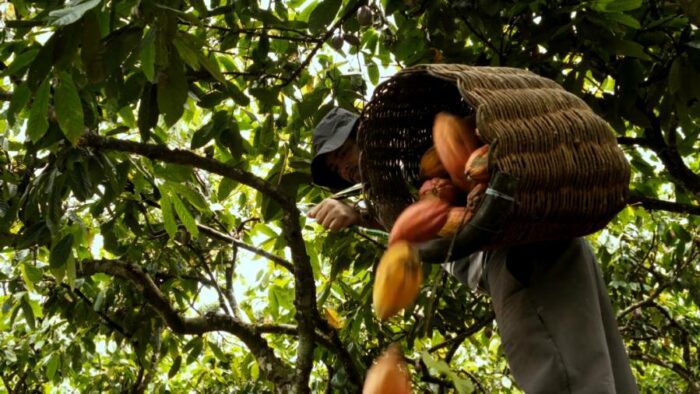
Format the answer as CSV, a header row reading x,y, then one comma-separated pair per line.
x,y
155,155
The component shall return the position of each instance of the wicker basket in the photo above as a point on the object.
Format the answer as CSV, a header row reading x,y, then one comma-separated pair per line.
x,y
572,178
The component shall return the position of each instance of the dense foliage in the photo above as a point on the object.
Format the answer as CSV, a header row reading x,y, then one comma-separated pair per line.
x,y
154,171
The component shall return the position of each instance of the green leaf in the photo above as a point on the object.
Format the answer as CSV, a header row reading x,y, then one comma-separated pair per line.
x,y
148,111
205,134
28,311
38,113
674,76
175,367
226,186
373,73
168,215
69,109
20,62
185,216
236,94
217,352
68,15
462,386
625,20
616,5
148,55
172,92
212,66
52,365
196,350
186,51
31,275
20,98
323,14
61,252
70,273
192,196
92,50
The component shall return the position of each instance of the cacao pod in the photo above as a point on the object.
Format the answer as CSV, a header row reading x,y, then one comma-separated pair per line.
x,y
476,196
420,221
388,374
439,188
456,218
398,280
476,168
430,165
454,141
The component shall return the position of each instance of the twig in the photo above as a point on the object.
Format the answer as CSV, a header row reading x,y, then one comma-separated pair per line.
x,y
350,12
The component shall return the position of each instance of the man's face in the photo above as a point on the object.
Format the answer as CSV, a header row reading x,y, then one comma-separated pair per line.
x,y
345,161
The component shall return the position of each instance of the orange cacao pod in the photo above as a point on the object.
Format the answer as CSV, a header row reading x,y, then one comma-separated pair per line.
x,y
454,141
457,217
440,188
388,374
476,168
430,165
398,280
420,221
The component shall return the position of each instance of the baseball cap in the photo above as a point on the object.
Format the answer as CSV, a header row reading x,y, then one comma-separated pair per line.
x,y
330,134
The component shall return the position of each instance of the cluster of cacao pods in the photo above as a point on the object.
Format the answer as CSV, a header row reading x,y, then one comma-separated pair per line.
x,y
455,178
455,174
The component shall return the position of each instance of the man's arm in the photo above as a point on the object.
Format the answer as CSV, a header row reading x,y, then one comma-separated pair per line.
x,y
336,215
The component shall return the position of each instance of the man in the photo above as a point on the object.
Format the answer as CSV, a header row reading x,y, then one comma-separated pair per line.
x,y
556,322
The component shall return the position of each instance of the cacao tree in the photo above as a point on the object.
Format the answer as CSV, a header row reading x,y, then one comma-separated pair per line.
x,y
154,174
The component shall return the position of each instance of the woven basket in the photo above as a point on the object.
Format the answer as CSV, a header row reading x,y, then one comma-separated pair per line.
x,y
572,178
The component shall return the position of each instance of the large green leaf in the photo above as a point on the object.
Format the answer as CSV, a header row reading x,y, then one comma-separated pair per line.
x,y
148,55
70,14
172,92
61,252
323,14
69,109
20,98
20,62
38,113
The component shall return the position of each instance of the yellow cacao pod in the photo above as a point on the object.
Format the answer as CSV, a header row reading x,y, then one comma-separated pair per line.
x,y
476,168
430,165
454,140
420,221
398,280
439,188
388,374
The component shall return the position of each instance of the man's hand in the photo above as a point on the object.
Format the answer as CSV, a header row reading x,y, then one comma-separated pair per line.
x,y
334,215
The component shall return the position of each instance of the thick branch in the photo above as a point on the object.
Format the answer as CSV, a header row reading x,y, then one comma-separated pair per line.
x,y
652,204
186,157
259,32
304,298
271,366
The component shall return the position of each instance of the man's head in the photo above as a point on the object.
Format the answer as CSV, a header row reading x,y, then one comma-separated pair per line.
x,y
336,162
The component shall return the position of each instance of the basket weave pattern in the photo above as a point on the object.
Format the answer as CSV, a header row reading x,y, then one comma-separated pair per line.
x,y
573,178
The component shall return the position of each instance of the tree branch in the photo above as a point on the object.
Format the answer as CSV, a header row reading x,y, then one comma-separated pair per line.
x,y
461,337
652,204
272,367
669,155
5,95
348,13
186,157
259,32
633,141
226,238
675,367
304,298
